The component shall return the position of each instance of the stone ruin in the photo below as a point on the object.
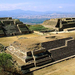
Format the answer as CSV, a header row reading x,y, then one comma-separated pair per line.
x,y
9,27
60,24
44,52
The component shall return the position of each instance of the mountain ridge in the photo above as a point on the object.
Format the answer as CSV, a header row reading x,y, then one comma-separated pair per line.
x,y
19,12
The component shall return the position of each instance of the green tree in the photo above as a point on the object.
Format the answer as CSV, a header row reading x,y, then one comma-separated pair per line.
x,y
5,60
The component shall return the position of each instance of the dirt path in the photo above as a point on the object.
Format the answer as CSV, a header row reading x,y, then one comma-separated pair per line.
x,y
62,68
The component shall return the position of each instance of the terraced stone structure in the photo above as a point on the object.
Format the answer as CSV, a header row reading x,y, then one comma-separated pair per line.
x,y
9,26
59,24
43,53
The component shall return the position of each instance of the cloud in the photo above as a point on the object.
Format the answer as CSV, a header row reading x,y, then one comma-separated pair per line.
x,y
13,6
60,7
22,6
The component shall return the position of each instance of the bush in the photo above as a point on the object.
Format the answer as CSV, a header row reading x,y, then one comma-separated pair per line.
x,y
1,47
5,61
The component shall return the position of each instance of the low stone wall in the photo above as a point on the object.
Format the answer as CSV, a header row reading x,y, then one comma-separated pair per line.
x,y
37,32
64,52
55,44
70,29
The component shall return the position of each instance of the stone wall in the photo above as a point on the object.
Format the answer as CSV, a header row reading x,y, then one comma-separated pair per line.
x,y
23,28
64,48
55,44
10,28
64,52
60,23
7,22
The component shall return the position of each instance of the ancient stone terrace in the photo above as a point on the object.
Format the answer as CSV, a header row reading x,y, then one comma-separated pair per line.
x,y
5,18
1,32
10,27
56,54
54,44
51,51
63,52
23,28
59,24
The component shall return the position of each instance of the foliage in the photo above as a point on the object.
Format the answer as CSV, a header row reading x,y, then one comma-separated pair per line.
x,y
5,60
37,27
6,66
1,48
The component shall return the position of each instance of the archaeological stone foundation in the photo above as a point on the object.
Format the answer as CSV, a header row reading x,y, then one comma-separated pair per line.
x,y
46,53
60,24
10,27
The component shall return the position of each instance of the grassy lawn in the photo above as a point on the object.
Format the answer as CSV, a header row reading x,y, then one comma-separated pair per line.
x,y
37,27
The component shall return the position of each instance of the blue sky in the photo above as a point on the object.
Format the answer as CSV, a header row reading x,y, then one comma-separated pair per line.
x,y
39,5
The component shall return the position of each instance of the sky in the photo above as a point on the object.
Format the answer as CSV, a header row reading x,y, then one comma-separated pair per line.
x,y
38,5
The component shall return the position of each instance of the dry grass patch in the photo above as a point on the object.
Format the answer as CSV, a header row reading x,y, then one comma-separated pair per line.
x,y
8,40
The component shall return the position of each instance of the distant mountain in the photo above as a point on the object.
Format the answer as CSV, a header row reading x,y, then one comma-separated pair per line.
x,y
32,14
35,17
19,12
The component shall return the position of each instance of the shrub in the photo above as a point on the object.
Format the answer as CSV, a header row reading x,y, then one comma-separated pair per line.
x,y
5,60
1,47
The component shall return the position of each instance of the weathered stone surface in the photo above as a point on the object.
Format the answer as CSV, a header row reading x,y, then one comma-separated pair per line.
x,y
60,24
9,27
43,53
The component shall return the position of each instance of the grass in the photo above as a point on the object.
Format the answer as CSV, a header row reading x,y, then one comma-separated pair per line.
x,y
37,27
6,41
